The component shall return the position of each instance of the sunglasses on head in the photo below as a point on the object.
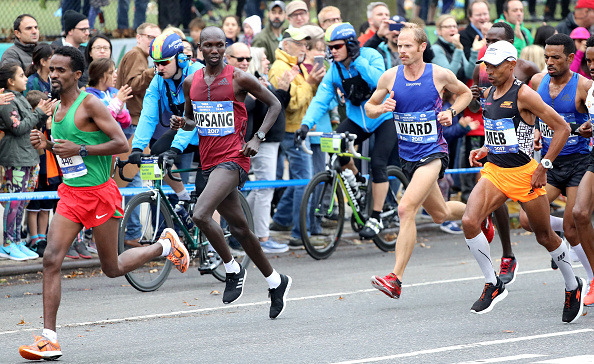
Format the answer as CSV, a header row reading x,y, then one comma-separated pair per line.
x,y
241,59
164,62
336,46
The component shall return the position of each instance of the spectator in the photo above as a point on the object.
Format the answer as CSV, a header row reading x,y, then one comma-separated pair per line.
x,y
289,57
535,54
513,14
231,29
478,14
73,5
376,13
169,13
196,26
95,10
76,28
264,163
582,16
580,35
17,156
328,16
251,27
551,8
298,14
38,72
272,34
26,33
385,41
188,51
542,34
448,51
139,13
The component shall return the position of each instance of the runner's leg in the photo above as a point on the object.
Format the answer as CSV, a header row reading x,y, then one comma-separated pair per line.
x,y
582,215
501,220
570,231
552,194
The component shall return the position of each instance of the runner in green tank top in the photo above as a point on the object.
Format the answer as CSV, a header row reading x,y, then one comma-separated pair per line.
x,y
85,138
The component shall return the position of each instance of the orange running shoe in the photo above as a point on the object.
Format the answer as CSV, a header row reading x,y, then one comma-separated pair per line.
x,y
178,255
589,299
42,348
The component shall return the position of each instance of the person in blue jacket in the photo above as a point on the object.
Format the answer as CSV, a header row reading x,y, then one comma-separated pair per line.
x,y
355,72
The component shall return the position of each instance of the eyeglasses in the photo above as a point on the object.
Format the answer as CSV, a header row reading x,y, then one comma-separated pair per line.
x,y
99,48
299,14
241,59
332,20
84,30
298,43
151,37
336,46
163,62
453,26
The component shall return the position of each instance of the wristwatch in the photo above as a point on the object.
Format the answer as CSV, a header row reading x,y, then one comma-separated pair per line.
x,y
454,113
83,151
546,163
260,135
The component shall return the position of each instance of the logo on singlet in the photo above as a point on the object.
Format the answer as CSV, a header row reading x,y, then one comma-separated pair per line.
x,y
413,84
223,82
506,104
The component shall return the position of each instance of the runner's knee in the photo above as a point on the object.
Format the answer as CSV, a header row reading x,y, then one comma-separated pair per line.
x,y
581,216
470,223
110,271
406,211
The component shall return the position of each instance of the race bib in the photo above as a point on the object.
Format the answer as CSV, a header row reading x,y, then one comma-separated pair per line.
x,y
416,127
500,136
547,134
72,167
149,169
214,118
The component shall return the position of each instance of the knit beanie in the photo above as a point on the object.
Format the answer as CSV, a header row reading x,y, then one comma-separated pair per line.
x,y
71,19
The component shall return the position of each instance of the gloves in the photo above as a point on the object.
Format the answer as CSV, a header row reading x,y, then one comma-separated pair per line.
x,y
300,134
168,156
134,157
353,49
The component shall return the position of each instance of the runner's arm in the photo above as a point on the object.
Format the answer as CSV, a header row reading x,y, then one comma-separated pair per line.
x,y
376,104
536,79
455,86
102,117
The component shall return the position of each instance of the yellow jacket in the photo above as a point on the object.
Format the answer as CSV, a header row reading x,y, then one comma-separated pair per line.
x,y
301,92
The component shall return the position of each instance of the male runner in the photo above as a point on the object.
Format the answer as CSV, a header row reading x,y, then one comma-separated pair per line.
x,y
85,138
415,90
510,172
523,71
565,91
214,104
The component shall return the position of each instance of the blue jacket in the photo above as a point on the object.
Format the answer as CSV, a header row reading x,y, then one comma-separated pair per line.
x,y
370,64
155,114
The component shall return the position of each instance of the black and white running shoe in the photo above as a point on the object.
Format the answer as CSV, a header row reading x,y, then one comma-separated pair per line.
x,y
574,302
234,285
492,293
278,296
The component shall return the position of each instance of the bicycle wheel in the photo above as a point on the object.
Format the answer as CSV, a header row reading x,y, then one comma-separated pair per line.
x,y
153,273
386,239
317,200
239,255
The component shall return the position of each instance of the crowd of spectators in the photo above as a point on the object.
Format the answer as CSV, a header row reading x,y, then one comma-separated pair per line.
x,y
283,45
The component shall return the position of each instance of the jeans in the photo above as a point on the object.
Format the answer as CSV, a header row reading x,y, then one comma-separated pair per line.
x,y
264,168
18,180
300,167
139,13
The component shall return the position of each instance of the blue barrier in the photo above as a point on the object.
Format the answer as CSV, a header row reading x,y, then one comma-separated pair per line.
x,y
133,191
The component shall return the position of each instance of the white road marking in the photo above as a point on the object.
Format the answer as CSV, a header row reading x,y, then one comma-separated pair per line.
x,y
581,359
503,359
465,346
208,309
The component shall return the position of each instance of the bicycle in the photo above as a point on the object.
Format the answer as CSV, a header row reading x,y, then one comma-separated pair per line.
x,y
328,190
156,214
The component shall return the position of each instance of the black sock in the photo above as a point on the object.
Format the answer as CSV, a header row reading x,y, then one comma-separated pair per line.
x,y
376,215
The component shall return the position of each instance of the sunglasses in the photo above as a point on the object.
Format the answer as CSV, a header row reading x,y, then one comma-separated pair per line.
x,y
241,59
336,46
164,62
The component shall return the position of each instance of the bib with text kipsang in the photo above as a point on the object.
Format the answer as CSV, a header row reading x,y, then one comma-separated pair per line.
x,y
214,118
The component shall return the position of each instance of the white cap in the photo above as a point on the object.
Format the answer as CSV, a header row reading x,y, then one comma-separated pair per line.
x,y
499,52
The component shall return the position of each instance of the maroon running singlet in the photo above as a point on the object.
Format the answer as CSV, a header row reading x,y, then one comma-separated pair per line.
x,y
221,120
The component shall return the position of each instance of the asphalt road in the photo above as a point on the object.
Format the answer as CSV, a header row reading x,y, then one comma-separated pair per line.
x,y
333,314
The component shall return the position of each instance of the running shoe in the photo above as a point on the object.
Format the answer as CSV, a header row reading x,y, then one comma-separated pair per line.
x,y
178,255
488,228
28,252
13,252
574,302
81,249
72,253
92,247
492,294
234,285
42,348
507,270
40,247
275,226
589,299
371,229
278,296
271,247
390,285
451,227
296,244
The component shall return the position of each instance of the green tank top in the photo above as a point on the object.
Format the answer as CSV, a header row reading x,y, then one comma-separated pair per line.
x,y
91,170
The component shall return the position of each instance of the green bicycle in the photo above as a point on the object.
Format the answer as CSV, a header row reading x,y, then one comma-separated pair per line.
x,y
156,213
323,202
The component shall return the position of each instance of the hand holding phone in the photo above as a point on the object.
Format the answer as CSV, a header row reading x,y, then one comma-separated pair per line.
x,y
395,27
319,60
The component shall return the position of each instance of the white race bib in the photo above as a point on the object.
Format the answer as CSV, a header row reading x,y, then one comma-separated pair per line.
x,y
547,134
72,167
214,118
416,127
500,136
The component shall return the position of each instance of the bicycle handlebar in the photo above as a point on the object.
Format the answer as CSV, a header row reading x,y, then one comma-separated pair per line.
x,y
122,163
346,135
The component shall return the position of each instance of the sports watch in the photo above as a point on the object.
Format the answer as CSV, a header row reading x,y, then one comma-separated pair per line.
x,y
546,163
454,112
260,135
83,151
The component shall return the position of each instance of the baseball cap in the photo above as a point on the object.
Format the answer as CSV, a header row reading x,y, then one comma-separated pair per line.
x,y
313,31
580,33
588,4
295,34
296,5
280,4
499,52
398,19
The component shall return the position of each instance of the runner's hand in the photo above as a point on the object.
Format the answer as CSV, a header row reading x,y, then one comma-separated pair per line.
x,y
38,139
251,148
389,104
65,148
585,130
445,118
177,122
5,98
476,155
476,92
539,177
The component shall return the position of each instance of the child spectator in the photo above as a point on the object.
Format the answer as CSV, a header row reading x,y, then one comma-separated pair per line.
x,y
196,26
251,27
38,72
580,35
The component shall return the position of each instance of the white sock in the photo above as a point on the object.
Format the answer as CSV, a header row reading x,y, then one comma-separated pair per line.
x,y
166,246
556,223
561,257
274,280
584,260
479,247
50,335
183,195
232,266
